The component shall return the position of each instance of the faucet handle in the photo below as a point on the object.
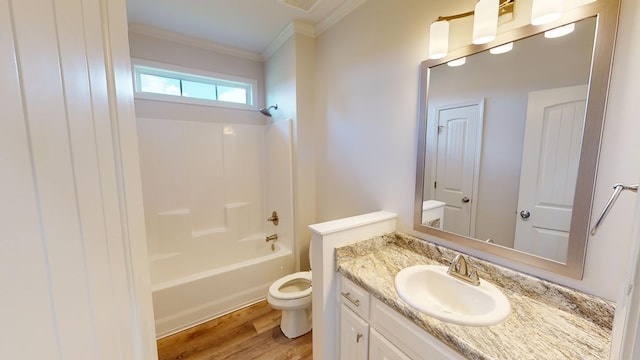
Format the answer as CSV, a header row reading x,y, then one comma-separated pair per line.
x,y
458,265
473,277
274,218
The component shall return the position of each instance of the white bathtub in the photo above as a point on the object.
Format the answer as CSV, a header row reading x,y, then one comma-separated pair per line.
x,y
187,291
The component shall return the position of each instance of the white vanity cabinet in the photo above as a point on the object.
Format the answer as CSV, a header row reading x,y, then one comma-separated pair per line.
x,y
369,329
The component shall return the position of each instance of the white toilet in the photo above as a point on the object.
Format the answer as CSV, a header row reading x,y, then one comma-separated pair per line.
x,y
292,295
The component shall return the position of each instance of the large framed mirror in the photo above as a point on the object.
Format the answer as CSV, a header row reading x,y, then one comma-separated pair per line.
x,y
509,143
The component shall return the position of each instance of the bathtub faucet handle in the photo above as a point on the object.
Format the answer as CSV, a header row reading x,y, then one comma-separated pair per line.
x,y
272,237
274,218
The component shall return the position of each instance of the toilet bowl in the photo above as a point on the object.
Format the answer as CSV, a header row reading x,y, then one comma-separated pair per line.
x,y
292,295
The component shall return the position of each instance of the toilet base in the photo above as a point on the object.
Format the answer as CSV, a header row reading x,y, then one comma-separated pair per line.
x,y
295,323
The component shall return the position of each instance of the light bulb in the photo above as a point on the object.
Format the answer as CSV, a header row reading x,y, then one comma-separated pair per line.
x,y
457,62
485,21
560,31
546,11
439,40
501,49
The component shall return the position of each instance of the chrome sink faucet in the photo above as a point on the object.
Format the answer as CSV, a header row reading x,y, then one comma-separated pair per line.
x,y
460,270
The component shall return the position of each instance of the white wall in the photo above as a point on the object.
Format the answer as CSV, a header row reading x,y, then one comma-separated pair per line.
x,y
202,182
290,83
367,124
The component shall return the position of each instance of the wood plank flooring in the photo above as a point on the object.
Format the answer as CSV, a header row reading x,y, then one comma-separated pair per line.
x,y
250,333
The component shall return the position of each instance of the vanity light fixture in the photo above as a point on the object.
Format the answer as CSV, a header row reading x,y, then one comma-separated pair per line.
x,y
457,62
560,31
502,49
485,25
546,11
485,22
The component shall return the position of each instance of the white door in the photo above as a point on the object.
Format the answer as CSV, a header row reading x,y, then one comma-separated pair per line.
x,y
354,335
73,266
551,153
458,153
625,339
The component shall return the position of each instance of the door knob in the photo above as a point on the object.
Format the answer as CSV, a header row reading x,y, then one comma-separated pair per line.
x,y
465,199
525,214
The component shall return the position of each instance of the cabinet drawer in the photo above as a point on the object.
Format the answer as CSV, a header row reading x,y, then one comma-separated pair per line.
x,y
409,337
354,297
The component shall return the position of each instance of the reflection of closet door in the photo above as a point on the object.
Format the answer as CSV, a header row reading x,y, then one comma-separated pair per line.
x,y
458,155
550,157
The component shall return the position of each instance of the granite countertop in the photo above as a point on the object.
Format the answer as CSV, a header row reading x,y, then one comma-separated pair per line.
x,y
547,321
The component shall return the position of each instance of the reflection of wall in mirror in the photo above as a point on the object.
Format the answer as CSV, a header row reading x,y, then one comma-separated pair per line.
x,y
504,81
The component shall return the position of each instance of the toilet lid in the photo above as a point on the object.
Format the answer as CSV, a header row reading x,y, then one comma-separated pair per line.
x,y
274,289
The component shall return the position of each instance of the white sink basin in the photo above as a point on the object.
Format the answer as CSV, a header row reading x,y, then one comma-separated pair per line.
x,y
429,289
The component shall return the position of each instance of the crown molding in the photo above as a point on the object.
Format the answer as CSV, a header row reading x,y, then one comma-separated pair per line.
x,y
337,15
303,28
152,31
295,27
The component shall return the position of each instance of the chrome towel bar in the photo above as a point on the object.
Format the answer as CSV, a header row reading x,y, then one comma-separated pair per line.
x,y
617,189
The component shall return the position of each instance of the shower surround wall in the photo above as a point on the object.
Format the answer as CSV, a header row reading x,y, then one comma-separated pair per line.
x,y
208,189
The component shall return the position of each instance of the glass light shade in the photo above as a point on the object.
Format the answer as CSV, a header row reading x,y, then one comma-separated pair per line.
x,y
501,49
485,21
457,62
546,11
560,31
439,40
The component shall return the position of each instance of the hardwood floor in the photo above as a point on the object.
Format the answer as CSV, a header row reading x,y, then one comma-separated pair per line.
x,y
250,333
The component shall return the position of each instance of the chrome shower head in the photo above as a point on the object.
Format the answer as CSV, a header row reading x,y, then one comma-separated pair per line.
x,y
266,111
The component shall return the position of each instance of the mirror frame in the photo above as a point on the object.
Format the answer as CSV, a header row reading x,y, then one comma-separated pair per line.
x,y
607,12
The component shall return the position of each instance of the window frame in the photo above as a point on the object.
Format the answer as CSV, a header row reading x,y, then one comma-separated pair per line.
x,y
191,74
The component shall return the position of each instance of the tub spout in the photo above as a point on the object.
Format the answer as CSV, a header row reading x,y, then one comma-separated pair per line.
x,y
271,237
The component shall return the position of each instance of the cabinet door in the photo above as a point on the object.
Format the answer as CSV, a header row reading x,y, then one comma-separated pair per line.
x,y
354,336
405,335
381,349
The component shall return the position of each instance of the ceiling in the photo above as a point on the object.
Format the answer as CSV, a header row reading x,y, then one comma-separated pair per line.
x,y
250,25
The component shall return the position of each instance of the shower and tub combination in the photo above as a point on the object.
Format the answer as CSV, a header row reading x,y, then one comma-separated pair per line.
x,y
210,191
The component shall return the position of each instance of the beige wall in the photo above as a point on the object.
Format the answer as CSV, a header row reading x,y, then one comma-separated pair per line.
x,y
290,81
367,123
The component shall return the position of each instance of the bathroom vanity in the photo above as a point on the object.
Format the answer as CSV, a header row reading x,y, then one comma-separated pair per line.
x,y
369,329
547,321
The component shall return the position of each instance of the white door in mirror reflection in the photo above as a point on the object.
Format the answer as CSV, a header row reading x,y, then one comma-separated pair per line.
x,y
458,154
551,153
